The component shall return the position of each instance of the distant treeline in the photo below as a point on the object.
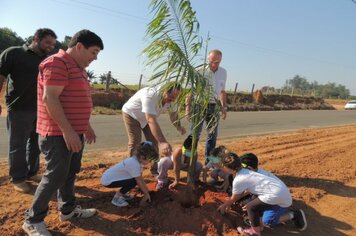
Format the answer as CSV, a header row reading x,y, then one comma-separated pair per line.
x,y
301,86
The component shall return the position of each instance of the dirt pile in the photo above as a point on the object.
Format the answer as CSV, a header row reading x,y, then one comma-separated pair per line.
x,y
317,164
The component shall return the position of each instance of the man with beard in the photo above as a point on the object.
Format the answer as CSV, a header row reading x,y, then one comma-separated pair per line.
x,y
19,68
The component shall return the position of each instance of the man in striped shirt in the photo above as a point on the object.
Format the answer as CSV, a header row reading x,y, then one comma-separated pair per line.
x,y
64,107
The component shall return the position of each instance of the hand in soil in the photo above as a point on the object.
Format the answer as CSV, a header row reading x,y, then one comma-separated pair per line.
x,y
173,185
224,208
145,200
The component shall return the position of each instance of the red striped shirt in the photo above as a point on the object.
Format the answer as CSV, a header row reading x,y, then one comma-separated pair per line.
x,y
61,70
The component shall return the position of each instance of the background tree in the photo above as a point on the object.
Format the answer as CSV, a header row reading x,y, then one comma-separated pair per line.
x,y
9,38
91,76
174,53
300,85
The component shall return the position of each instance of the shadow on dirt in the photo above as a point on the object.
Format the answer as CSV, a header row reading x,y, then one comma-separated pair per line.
x,y
330,186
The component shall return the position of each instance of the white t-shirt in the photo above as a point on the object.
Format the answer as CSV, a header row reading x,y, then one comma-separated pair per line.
x,y
146,100
217,81
268,189
127,169
265,172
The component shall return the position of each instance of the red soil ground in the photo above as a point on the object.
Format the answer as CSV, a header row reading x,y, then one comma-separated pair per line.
x,y
318,165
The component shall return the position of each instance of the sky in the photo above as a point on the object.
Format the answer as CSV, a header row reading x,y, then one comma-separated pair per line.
x,y
264,42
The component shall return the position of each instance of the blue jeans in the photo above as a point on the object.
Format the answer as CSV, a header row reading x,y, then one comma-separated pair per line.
x,y
62,166
23,145
211,118
270,214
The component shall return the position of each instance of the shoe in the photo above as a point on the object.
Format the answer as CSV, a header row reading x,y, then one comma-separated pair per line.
x,y
299,219
38,229
78,212
128,196
22,187
248,231
160,185
119,201
36,178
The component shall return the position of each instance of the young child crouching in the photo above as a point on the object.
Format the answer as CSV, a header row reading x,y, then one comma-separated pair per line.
x,y
214,165
126,174
272,202
179,161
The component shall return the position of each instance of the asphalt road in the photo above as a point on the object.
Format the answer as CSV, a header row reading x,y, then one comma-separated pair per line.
x,y
111,132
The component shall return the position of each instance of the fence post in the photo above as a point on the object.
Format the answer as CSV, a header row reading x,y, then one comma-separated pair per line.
x,y
235,89
139,83
235,92
108,81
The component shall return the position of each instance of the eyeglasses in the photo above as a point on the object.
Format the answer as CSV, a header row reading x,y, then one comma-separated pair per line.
x,y
214,62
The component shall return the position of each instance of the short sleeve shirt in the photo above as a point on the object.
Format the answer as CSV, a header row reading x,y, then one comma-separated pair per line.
x,y
269,174
20,66
268,189
146,100
216,81
61,70
127,169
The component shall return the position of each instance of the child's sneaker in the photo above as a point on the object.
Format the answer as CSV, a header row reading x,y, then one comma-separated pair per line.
x,y
119,201
128,196
78,212
299,219
248,231
37,229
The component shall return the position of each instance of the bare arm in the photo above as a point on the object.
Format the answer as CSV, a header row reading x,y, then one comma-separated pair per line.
x,y
173,116
2,80
90,136
55,110
223,104
157,133
188,106
142,185
177,154
225,207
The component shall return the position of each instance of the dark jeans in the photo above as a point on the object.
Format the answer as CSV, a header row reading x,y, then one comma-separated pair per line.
x,y
211,118
23,145
62,167
125,185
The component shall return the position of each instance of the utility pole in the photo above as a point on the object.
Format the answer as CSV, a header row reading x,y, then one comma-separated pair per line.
x,y
140,82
